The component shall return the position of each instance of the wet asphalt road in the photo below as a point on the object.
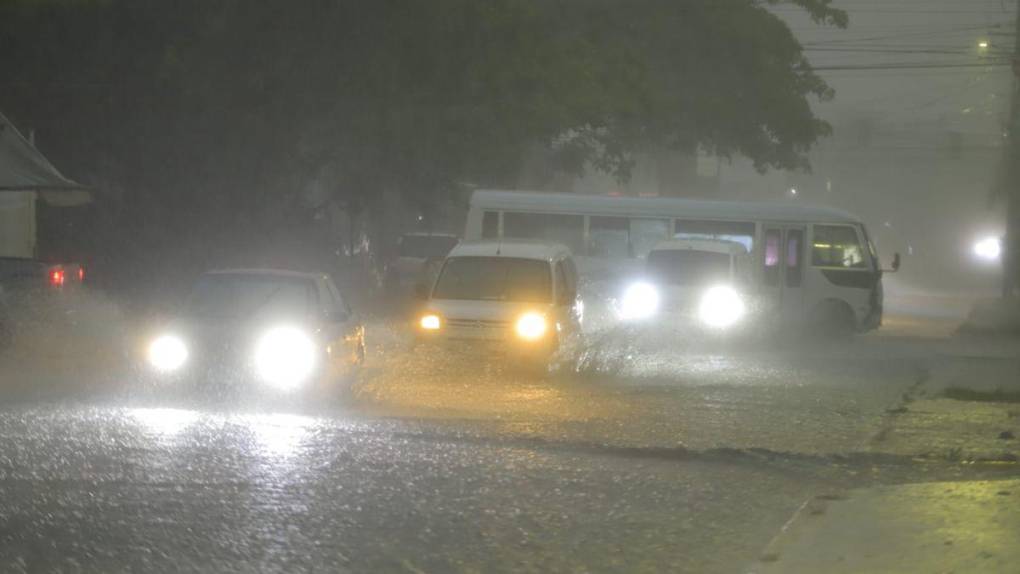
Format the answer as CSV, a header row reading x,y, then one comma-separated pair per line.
x,y
649,460
122,489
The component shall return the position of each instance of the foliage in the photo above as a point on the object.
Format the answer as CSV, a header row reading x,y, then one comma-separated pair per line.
x,y
197,116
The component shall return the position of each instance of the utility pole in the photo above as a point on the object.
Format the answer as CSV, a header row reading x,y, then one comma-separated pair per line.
x,y
1011,244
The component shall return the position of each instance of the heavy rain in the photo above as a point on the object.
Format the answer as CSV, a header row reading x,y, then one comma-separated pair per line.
x,y
484,286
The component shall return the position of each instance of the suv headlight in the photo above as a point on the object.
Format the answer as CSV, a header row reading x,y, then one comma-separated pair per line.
x,y
721,307
285,357
640,301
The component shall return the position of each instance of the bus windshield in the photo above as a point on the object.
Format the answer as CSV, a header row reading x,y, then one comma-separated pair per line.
x,y
495,279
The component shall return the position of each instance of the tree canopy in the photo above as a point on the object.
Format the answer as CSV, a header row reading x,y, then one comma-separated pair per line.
x,y
187,108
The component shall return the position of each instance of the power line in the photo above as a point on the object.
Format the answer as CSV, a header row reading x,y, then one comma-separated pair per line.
x,y
851,12
903,35
879,50
908,66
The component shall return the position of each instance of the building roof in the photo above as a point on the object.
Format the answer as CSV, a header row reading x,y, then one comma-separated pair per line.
x,y
547,202
23,168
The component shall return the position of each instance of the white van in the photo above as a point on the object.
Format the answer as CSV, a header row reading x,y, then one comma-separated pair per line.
x,y
511,297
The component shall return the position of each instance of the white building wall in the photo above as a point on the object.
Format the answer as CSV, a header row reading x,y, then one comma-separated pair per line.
x,y
17,224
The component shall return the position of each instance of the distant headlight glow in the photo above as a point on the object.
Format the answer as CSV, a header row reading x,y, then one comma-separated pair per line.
x,y
430,322
721,307
988,249
167,353
531,326
285,357
640,301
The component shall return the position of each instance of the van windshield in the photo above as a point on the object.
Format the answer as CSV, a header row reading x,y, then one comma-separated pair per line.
x,y
495,279
689,267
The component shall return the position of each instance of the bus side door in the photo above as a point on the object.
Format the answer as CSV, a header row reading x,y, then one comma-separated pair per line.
x,y
782,262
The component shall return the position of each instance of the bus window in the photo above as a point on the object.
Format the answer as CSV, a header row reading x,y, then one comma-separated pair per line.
x,y
837,246
609,237
794,265
771,257
646,234
565,229
490,225
741,232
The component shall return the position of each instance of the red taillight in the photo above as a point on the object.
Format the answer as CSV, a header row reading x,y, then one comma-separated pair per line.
x,y
81,274
57,277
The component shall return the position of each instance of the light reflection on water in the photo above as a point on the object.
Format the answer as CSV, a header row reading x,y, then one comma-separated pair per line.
x,y
280,435
164,422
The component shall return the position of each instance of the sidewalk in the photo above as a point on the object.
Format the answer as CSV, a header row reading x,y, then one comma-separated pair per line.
x,y
965,407
937,527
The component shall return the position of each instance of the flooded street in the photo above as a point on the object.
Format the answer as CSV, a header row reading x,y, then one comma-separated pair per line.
x,y
675,459
472,287
659,389
133,489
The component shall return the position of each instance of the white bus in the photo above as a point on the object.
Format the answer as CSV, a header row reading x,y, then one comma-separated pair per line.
x,y
811,264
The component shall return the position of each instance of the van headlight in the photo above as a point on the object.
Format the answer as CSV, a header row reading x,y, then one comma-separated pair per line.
x,y
285,357
531,326
640,301
721,307
430,322
167,353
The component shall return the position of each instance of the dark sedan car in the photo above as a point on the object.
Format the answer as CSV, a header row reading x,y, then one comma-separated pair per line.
x,y
281,330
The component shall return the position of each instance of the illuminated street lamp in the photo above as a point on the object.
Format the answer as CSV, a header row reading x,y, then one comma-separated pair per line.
x,y
988,249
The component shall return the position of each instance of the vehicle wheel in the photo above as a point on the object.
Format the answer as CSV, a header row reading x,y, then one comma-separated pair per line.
x,y
832,320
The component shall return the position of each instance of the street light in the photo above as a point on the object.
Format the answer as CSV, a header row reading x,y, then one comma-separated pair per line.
x,y
988,248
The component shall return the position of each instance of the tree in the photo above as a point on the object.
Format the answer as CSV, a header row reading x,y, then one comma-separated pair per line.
x,y
212,117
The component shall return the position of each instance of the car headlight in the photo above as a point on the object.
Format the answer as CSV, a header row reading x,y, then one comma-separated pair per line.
x,y
285,357
640,301
531,326
430,322
721,307
167,353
